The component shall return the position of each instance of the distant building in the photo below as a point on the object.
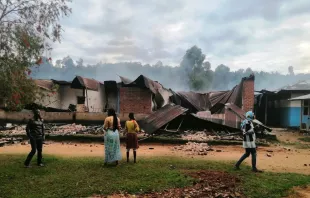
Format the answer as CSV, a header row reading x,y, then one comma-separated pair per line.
x,y
276,108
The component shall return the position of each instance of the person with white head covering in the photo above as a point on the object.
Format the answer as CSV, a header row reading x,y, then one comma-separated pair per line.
x,y
249,139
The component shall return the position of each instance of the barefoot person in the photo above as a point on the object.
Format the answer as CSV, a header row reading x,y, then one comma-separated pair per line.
x,y
249,139
35,133
131,128
111,138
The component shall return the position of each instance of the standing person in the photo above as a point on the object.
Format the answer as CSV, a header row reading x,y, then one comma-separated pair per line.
x,y
35,133
131,128
249,139
111,138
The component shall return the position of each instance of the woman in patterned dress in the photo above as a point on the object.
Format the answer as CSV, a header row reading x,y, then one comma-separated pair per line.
x,y
111,138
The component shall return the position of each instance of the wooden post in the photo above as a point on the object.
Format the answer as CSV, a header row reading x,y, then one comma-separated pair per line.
x,y
266,107
87,100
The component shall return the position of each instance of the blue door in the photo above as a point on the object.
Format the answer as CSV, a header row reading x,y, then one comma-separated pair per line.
x,y
305,112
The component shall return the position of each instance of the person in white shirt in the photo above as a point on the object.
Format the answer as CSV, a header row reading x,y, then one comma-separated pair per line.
x,y
249,139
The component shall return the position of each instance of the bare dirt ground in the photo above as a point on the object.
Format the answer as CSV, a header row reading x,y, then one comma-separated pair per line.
x,y
300,192
282,157
276,158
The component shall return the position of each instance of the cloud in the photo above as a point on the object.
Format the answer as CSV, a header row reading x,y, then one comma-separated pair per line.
x,y
261,34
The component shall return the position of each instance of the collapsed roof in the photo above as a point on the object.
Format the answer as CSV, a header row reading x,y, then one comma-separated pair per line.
x,y
299,86
85,83
212,101
181,119
161,94
49,84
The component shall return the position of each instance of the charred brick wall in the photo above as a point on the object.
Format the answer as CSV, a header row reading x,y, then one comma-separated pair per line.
x,y
136,100
248,94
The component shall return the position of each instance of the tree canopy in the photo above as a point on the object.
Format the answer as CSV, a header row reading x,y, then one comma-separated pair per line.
x,y
27,28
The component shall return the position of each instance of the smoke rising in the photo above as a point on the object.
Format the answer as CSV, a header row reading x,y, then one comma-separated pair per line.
x,y
222,78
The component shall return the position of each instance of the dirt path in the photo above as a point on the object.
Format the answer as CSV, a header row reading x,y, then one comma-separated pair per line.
x,y
281,160
300,192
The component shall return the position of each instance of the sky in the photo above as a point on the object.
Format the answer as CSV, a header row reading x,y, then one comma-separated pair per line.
x,y
267,35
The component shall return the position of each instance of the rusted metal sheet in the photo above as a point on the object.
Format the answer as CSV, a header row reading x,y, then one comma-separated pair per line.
x,y
236,110
44,84
161,117
85,83
212,101
241,114
48,84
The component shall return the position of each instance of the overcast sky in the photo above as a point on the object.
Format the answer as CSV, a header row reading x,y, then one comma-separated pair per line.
x,y
267,35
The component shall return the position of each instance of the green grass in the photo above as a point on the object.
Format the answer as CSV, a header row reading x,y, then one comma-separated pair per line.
x,y
305,139
81,177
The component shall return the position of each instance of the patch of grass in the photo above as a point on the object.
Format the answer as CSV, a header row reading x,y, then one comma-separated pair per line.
x,y
81,177
305,139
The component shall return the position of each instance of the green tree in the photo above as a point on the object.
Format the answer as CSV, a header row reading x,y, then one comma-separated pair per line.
x,y
27,27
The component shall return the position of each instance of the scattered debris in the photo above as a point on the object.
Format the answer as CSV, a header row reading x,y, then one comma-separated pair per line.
x,y
270,151
8,141
269,155
194,148
58,129
305,165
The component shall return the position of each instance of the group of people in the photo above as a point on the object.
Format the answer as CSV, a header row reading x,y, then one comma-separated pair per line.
x,y
112,127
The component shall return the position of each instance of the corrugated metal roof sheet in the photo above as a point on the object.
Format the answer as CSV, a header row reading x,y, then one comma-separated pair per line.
x,y
61,82
161,117
44,84
212,101
85,83
301,85
236,110
304,97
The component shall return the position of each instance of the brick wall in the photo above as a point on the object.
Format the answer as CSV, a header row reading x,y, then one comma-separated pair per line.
x,y
136,100
248,94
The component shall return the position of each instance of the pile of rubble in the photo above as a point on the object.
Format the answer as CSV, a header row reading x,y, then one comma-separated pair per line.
x,y
53,129
65,129
194,148
7,141
198,136
207,136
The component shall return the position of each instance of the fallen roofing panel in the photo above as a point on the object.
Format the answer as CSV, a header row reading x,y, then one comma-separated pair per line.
x,y
85,83
161,117
236,110
208,124
212,101
241,114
